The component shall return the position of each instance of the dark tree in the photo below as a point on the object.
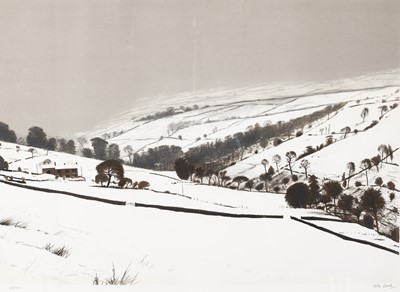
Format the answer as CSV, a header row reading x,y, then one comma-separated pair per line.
x,y
6,134
379,181
333,189
389,153
223,177
357,211
260,187
285,180
101,178
4,131
62,145
373,202
368,221
291,158
314,194
200,172
266,177
375,161
295,178
271,170
182,168
36,137
276,189
345,130
87,152
99,147
3,164
210,173
263,143
384,109
70,147
112,168
249,184
391,186
297,195
143,185
325,199
351,167
51,144
345,203
392,196
239,180
364,113
113,151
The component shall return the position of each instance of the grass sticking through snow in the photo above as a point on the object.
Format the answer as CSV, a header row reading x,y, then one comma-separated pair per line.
x,y
125,279
10,222
60,251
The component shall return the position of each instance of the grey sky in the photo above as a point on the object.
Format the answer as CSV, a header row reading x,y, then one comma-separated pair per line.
x,y
67,64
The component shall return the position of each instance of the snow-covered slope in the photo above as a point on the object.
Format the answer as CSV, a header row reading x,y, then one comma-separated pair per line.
x,y
177,251
219,113
185,251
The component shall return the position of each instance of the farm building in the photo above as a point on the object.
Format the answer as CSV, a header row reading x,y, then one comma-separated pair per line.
x,y
61,170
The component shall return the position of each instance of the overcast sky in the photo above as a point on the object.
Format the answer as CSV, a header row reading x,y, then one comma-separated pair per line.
x,y
65,65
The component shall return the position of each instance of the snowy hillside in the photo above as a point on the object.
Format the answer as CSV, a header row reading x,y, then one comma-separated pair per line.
x,y
185,235
204,117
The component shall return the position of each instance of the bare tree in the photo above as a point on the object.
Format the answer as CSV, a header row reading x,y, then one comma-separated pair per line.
x,y
277,160
265,163
306,165
129,152
382,149
366,164
32,150
82,141
291,158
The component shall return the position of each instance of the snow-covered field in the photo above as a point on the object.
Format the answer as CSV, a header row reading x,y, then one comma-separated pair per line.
x,y
174,251
177,251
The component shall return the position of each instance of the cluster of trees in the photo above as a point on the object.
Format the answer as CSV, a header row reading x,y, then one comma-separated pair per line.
x,y
37,137
385,152
371,203
110,170
114,134
102,150
170,111
158,158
